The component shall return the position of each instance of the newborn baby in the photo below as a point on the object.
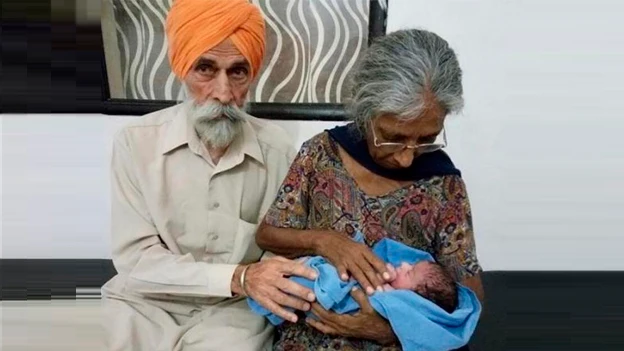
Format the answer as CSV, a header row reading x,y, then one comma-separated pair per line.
x,y
420,293
427,279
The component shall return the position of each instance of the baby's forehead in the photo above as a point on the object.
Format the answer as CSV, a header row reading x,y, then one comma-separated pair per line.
x,y
423,266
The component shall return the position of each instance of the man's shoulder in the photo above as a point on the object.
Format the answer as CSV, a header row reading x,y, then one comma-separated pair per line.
x,y
148,127
271,137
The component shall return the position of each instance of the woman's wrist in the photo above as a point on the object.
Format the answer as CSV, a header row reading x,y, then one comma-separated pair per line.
x,y
319,240
384,336
389,339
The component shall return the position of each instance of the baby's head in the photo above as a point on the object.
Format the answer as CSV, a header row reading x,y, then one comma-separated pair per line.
x,y
429,280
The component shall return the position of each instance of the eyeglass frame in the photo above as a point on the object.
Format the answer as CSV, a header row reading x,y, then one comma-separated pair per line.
x,y
404,146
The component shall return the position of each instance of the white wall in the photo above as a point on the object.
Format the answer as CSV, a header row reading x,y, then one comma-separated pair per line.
x,y
539,142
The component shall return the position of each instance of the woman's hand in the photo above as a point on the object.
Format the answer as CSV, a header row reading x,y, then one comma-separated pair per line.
x,y
365,324
356,259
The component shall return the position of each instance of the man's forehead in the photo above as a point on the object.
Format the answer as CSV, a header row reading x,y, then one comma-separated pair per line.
x,y
222,61
225,50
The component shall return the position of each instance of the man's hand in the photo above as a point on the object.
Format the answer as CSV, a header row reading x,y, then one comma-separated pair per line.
x,y
356,259
365,324
267,283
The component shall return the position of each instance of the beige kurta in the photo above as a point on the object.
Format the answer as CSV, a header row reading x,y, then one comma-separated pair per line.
x,y
180,225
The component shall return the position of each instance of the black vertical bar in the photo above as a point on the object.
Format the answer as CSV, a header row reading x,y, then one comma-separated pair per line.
x,y
106,95
376,21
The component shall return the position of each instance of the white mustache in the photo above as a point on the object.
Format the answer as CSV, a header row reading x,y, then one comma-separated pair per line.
x,y
217,124
211,110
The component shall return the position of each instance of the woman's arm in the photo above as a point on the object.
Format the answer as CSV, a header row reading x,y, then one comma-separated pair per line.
x,y
294,243
474,283
288,242
284,230
456,247
364,324
349,257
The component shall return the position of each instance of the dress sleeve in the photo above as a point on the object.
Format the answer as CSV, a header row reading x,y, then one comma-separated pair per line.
x,y
291,206
455,246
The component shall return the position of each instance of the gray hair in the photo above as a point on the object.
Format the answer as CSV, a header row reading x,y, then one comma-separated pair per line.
x,y
398,71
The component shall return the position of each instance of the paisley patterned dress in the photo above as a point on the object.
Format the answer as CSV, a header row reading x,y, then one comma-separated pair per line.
x,y
318,193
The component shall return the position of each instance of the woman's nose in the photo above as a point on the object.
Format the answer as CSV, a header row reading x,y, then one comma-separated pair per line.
x,y
405,157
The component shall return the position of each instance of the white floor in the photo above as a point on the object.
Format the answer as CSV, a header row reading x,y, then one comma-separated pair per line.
x,y
51,325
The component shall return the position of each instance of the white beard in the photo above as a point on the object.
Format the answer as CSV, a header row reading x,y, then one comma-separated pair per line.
x,y
217,125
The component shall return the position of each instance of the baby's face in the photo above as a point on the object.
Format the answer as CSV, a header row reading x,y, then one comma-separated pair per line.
x,y
409,276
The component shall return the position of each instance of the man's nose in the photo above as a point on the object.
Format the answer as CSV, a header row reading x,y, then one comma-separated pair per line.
x,y
222,91
405,157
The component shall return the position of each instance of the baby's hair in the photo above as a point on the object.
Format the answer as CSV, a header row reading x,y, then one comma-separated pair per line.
x,y
439,287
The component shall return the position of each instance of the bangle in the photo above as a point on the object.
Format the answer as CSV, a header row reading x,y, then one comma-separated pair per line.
x,y
242,279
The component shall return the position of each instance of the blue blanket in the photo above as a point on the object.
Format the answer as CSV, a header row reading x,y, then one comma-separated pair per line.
x,y
418,323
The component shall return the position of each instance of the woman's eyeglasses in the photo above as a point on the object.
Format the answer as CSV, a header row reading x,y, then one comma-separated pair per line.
x,y
438,144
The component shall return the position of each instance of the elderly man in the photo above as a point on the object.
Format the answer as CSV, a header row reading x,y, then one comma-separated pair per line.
x,y
189,185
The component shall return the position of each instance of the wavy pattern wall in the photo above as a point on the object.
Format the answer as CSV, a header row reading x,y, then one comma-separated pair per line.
x,y
311,47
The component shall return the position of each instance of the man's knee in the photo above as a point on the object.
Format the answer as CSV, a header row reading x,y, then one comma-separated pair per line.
x,y
127,327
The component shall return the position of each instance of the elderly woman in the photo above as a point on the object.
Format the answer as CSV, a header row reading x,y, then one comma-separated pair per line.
x,y
384,175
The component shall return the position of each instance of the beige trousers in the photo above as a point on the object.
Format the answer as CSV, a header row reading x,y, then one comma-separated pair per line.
x,y
135,324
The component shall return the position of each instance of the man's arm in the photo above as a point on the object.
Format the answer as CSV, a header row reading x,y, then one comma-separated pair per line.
x,y
154,270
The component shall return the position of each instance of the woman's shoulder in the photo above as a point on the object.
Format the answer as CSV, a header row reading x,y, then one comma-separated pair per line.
x,y
317,145
447,188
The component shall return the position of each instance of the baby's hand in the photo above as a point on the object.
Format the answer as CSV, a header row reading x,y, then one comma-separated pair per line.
x,y
392,271
387,287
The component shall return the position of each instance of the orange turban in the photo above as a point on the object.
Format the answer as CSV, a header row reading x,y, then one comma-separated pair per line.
x,y
196,26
